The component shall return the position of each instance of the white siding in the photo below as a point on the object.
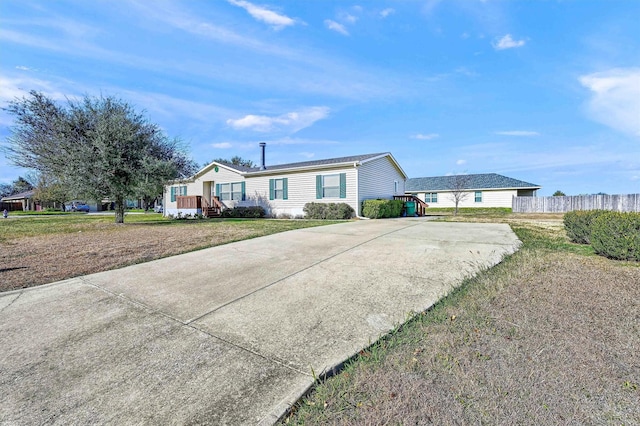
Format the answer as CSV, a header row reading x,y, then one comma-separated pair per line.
x,y
377,179
301,190
195,187
490,198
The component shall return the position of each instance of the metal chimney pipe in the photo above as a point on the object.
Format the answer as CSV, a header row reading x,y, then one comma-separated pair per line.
x,y
262,147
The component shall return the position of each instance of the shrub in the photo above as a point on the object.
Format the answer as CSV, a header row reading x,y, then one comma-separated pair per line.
x,y
377,209
578,225
329,211
252,212
617,235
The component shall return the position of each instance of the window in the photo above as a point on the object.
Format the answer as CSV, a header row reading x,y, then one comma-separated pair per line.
x,y
278,189
431,197
395,186
478,198
178,190
331,186
231,191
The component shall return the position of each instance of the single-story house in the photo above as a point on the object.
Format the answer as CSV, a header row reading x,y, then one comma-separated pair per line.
x,y
284,189
22,201
481,190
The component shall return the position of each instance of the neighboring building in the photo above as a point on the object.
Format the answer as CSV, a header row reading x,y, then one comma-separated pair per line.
x,y
284,189
482,190
22,201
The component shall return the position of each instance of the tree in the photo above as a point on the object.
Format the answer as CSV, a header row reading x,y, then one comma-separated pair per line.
x,y
51,190
559,193
17,186
100,148
161,166
458,185
235,160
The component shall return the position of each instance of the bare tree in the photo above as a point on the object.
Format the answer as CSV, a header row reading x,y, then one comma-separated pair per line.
x,y
459,186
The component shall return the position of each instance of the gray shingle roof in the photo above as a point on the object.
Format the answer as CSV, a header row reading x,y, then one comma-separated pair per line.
x,y
326,162
479,181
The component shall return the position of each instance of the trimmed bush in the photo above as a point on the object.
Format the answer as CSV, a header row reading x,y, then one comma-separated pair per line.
x,y
578,225
329,211
377,209
617,235
253,212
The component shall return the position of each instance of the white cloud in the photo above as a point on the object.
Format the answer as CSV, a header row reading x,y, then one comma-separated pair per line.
x,y
347,17
335,26
260,13
615,98
222,145
517,133
425,137
23,68
507,42
290,122
386,12
308,154
461,162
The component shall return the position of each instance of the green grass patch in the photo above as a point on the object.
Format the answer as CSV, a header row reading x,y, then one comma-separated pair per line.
x,y
470,211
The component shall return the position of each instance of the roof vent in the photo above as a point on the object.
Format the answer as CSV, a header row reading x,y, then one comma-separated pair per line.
x,y
262,163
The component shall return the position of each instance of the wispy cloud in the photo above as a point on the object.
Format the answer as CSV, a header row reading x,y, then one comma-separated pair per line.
x,y
335,26
261,13
307,154
386,12
426,137
290,122
507,42
222,145
615,98
461,162
517,133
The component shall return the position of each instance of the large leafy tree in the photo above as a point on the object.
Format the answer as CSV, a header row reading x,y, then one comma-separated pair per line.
x,y
98,147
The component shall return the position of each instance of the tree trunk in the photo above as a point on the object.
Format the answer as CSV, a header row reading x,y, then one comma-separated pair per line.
x,y
455,212
119,210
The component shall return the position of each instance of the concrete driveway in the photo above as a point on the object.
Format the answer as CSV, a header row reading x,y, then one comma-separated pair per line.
x,y
230,334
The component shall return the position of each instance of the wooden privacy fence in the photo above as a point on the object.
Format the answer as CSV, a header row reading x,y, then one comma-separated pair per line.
x,y
621,203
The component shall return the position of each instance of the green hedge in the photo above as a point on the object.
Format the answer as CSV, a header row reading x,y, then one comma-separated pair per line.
x,y
578,225
329,211
377,209
617,235
245,212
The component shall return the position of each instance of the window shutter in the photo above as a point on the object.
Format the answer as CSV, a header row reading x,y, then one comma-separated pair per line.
x,y
272,185
173,194
343,185
218,190
243,191
285,188
319,187
185,190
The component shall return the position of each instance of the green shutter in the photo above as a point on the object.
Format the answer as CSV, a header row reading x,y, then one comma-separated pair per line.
x,y
243,191
185,190
173,194
285,188
319,187
272,188
343,185
218,190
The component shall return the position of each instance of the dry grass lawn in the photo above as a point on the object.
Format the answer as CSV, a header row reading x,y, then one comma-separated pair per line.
x,y
550,336
41,250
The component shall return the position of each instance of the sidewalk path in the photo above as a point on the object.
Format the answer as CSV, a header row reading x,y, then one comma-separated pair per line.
x,y
230,334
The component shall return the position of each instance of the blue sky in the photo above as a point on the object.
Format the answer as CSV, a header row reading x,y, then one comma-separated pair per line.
x,y
543,91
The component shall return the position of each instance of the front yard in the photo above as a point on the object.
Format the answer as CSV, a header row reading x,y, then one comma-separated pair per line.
x,y
42,249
